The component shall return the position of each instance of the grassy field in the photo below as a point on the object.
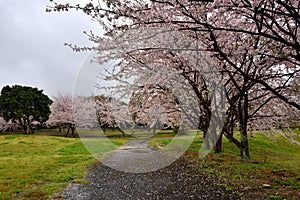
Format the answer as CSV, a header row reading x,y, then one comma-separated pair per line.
x,y
35,166
275,162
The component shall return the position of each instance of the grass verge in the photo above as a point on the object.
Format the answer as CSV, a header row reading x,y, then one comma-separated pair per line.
x,y
35,166
272,173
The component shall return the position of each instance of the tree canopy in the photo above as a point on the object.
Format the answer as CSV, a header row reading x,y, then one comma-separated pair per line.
x,y
62,113
24,105
252,45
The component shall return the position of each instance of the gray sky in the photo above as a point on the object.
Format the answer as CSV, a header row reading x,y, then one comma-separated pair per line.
x,y
32,50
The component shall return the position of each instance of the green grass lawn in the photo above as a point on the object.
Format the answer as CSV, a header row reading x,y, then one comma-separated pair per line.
x,y
273,161
35,166
276,153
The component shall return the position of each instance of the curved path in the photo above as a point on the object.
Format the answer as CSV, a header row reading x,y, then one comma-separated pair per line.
x,y
176,181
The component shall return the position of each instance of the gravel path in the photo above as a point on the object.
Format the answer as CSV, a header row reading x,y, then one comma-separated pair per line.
x,y
176,181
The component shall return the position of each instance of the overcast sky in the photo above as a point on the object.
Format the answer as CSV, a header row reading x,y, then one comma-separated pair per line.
x,y
32,50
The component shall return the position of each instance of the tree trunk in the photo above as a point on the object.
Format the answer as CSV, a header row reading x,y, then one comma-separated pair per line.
x,y
73,131
154,130
245,155
123,133
218,146
25,129
229,135
243,120
67,132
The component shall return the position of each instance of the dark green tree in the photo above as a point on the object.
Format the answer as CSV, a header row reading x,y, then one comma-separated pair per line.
x,y
24,106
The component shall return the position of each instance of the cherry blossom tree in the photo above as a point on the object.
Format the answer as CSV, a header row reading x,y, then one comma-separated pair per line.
x,y
273,116
154,109
106,116
99,111
2,124
274,24
7,126
62,113
104,112
165,81
84,112
254,44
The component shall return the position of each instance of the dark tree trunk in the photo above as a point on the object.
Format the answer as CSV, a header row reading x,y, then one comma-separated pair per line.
x,y
103,127
239,114
67,132
243,120
245,155
27,129
123,133
24,129
73,131
218,146
229,136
